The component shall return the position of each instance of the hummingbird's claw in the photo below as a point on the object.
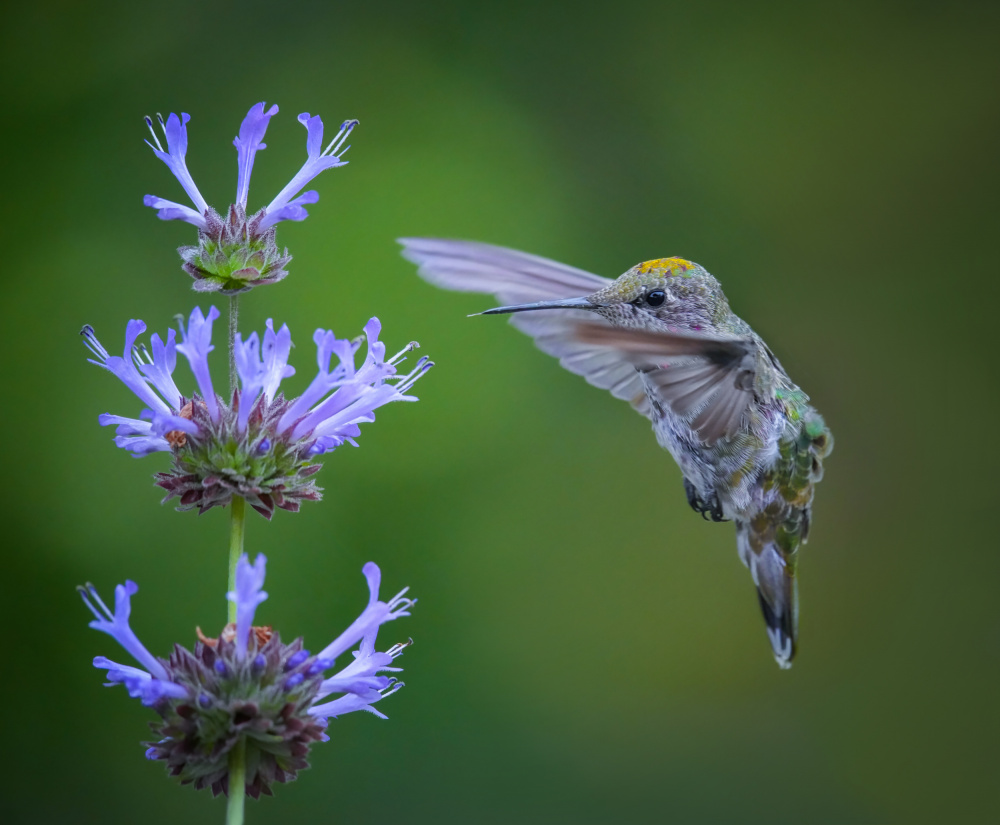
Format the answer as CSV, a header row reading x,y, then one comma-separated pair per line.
x,y
710,510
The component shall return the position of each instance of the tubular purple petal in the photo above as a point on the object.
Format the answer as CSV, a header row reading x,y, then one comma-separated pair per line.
x,y
126,426
163,423
373,616
356,398
175,131
317,160
125,368
262,371
376,349
157,689
350,703
196,347
341,399
173,211
139,683
353,684
248,143
248,594
345,435
373,575
346,408
251,373
277,346
141,447
314,133
367,663
327,345
134,435
358,394
158,368
117,672
292,211
116,624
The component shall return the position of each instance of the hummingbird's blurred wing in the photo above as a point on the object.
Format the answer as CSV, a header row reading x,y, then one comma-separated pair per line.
x,y
514,277
706,380
519,278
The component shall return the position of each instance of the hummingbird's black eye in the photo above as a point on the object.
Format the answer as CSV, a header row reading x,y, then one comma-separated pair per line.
x,y
656,297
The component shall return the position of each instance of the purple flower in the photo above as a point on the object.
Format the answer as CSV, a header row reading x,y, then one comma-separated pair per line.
x,y
236,253
247,685
248,595
151,684
175,132
259,445
283,207
248,142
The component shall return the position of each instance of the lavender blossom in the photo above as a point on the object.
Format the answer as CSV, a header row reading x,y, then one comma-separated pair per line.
x,y
236,253
247,685
260,446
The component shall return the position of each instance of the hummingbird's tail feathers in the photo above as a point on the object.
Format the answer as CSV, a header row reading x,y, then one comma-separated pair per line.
x,y
779,602
514,277
777,589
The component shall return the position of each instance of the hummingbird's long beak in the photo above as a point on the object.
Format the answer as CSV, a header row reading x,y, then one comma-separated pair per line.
x,y
567,303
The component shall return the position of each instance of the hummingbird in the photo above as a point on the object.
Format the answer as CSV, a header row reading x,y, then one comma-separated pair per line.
x,y
662,337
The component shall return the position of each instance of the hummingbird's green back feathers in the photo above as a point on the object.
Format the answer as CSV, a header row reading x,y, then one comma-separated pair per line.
x,y
769,541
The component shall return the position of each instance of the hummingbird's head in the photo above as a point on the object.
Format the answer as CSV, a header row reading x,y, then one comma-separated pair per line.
x,y
665,293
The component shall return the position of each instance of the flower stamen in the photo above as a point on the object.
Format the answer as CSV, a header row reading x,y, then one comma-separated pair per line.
x,y
152,131
94,345
401,355
338,140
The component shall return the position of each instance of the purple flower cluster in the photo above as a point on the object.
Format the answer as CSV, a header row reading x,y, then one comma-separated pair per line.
x,y
248,685
285,206
259,444
236,252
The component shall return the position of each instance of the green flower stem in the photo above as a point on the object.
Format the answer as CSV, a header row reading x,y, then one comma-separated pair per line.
x,y
237,529
237,513
234,317
237,783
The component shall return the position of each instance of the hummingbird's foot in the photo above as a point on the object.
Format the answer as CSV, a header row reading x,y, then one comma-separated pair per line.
x,y
711,509
715,511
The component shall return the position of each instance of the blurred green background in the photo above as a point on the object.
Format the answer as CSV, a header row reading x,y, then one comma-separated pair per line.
x,y
587,649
